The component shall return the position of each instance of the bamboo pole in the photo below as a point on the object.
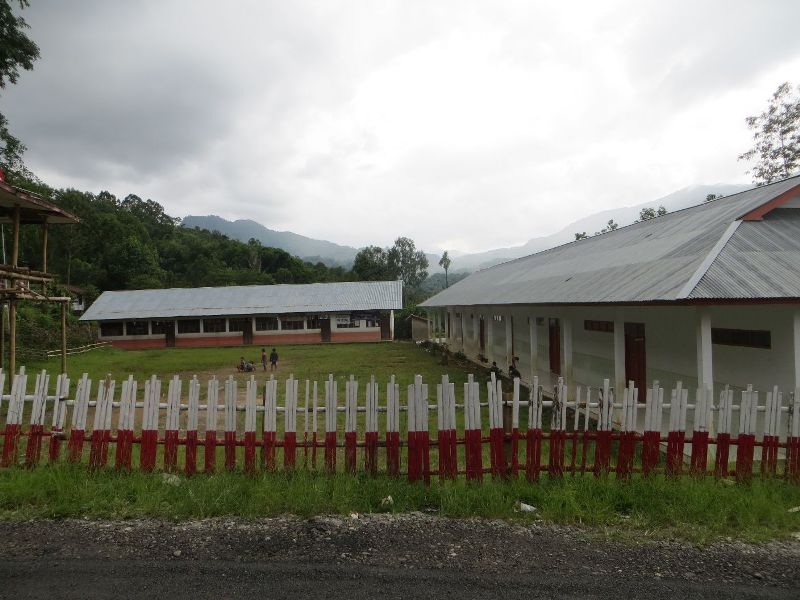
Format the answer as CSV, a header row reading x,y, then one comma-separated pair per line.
x,y
44,247
63,337
15,237
12,335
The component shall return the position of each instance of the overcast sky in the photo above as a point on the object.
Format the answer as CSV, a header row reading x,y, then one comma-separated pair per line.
x,y
463,125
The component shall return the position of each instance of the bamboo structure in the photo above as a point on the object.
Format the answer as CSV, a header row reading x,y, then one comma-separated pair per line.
x,y
22,283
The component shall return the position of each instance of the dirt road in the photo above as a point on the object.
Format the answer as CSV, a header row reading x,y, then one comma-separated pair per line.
x,y
413,556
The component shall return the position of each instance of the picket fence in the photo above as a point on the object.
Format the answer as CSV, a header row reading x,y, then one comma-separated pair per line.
x,y
577,430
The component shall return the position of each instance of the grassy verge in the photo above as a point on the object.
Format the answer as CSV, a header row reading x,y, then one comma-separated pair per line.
x,y
700,511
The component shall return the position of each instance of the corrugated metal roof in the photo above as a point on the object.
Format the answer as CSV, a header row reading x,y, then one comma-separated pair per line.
x,y
648,261
247,300
761,260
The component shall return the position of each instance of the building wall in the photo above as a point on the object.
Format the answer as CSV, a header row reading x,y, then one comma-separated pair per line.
x,y
670,343
339,333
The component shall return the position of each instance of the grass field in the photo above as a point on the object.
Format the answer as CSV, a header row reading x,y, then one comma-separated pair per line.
x,y
313,361
698,510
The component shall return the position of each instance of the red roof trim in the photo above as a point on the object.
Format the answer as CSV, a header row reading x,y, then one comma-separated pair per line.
x,y
757,214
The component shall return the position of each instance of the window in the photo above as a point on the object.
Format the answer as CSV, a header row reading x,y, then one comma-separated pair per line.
x,y
745,338
189,326
162,326
239,324
292,323
347,322
266,323
539,321
372,322
498,318
112,329
136,328
313,322
601,326
213,325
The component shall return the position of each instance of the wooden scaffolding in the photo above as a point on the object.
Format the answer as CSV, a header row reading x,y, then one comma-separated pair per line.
x,y
18,284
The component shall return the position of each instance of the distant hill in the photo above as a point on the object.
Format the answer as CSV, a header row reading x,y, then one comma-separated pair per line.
x,y
684,198
334,255
299,245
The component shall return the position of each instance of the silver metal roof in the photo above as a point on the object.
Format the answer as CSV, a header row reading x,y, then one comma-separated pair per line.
x,y
247,300
761,260
655,260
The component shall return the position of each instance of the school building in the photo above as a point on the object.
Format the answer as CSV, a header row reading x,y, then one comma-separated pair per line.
x,y
360,311
708,295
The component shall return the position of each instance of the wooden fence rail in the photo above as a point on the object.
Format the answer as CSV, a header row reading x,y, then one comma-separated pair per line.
x,y
573,430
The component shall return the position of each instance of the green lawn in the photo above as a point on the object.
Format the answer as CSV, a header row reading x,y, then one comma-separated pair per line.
x,y
700,511
313,361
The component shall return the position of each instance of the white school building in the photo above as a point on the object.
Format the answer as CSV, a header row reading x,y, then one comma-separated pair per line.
x,y
708,295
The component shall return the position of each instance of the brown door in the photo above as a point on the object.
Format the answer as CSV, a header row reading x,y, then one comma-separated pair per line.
x,y
170,335
247,332
325,329
386,330
482,334
635,356
555,346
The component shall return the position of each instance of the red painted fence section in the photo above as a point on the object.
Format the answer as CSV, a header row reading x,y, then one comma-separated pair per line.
x,y
587,430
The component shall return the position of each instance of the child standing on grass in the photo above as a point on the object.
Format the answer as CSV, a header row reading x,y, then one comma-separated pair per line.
x,y
273,360
264,359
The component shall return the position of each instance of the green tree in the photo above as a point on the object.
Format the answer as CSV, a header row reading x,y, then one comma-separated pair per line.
x,y
711,197
407,263
776,137
17,52
610,226
648,213
581,236
372,264
445,262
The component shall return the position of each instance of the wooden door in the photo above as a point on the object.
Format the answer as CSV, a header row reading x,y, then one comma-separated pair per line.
x,y
635,356
325,329
386,330
247,332
555,346
482,334
170,335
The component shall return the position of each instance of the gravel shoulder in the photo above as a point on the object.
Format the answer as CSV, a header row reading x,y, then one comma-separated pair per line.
x,y
412,555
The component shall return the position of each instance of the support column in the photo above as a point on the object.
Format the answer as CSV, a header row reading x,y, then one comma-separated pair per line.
x,y
509,340
489,320
566,350
44,247
797,349
391,325
64,337
619,353
429,322
463,335
446,318
534,335
705,368
12,336
476,327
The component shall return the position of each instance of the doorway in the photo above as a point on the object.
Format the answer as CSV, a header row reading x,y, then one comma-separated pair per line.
x,y
555,346
386,330
325,329
247,332
635,356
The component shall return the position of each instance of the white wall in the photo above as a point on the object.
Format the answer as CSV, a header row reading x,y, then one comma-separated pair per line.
x,y
670,333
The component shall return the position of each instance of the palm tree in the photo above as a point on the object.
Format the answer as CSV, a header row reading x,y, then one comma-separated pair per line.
x,y
444,262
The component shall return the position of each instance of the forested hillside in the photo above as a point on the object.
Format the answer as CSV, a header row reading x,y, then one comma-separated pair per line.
x,y
132,244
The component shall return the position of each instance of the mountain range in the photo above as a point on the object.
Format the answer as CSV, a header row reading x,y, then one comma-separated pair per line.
x,y
332,254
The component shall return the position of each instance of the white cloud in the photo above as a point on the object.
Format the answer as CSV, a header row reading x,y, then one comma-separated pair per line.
x,y
464,125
